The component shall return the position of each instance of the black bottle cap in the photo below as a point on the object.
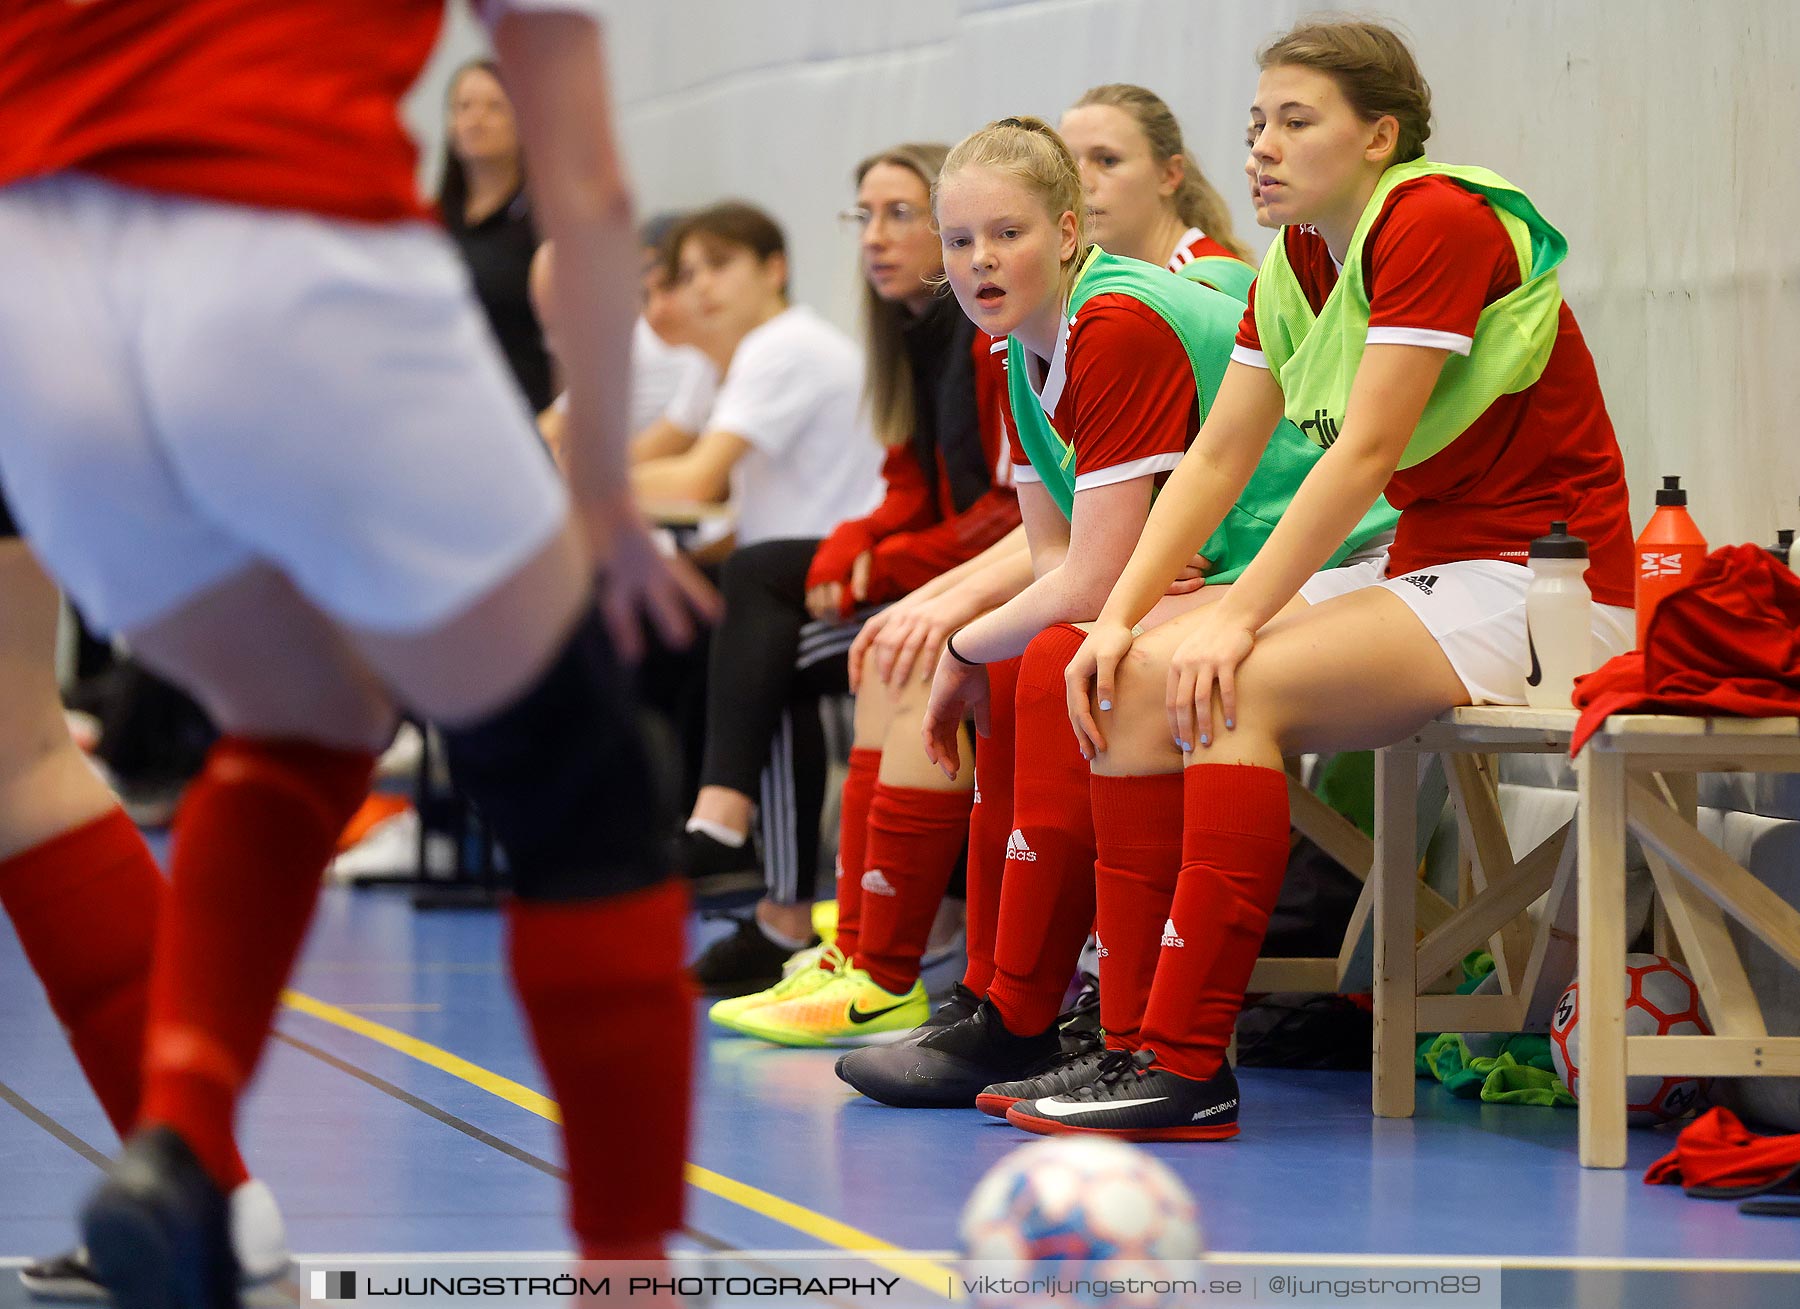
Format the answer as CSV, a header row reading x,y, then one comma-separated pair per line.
x,y
1671,493
1559,544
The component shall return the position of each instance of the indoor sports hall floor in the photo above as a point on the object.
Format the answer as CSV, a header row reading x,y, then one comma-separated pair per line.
x,y
400,1111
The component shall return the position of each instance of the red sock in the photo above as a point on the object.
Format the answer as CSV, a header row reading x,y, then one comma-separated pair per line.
x,y
853,834
251,843
914,838
1234,851
1047,897
990,823
85,905
603,987
1137,836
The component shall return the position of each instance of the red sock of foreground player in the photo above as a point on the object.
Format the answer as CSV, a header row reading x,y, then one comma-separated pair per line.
x,y
853,836
602,985
1047,898
85,905
914,838
1137,839
990,823
251,843
1234,850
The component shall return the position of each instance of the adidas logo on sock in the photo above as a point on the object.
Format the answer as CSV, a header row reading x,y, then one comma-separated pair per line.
x,y
1017,849
876,883
1215,1109
837,869
1170,940
1100,951
1424,581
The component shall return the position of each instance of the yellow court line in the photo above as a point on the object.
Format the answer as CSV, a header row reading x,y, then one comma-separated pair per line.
x,y
883,1254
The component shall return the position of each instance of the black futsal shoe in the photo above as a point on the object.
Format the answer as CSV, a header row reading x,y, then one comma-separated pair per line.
x,y
742,963
959,1005
1068,1072
158,1230
1133,1101
948,1066
719,876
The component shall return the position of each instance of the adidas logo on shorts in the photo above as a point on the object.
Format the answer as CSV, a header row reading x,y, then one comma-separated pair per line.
x,y
977,786
1100,951
876,883
1424,581
1017,849
1170,940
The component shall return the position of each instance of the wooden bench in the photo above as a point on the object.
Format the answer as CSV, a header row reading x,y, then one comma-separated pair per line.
x,y
1414,953
1637,774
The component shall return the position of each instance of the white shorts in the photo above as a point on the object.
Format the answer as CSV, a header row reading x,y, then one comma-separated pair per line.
x,y
1475,610
187,388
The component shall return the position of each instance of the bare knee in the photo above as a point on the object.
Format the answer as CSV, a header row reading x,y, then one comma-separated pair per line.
x,y
1138,740
874,706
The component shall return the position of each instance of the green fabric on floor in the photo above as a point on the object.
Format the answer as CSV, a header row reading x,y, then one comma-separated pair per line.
x,y
1522,1072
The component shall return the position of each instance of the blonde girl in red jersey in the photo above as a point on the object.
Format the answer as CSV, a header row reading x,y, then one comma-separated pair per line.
x,y
1146,196
1460,386
1146,199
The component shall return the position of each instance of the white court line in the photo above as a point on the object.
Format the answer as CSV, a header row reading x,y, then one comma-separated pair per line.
x,y
1594,1263
1580,1263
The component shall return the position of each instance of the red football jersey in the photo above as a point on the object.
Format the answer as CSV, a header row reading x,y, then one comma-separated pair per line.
x,y
289,104
1434,258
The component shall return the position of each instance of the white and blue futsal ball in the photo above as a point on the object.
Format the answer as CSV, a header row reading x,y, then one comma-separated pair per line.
x,y
1078,1209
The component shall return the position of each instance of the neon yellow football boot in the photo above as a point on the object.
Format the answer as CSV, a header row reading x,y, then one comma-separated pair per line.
x,y
804,973
849,1010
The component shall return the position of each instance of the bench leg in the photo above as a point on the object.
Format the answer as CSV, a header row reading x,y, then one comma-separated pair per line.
x,y
1394,877
1600,881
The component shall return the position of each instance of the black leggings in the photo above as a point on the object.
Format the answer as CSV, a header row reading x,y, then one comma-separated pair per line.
x,y
771,665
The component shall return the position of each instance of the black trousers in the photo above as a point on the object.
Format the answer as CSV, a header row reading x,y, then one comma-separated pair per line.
x,y
771,665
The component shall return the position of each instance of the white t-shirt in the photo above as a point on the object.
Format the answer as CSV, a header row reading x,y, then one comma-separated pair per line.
x,y
794,392
660,373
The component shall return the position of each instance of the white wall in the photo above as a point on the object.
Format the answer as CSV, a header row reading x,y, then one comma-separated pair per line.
x,y
1659,134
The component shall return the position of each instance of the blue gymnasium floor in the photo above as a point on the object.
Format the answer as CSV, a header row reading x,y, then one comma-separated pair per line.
x,y
376,1145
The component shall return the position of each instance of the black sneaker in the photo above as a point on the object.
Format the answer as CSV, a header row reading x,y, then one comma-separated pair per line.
x,y
158,1230
1132,1101
1068,1072
949,1065
961,1003
719,876
743,962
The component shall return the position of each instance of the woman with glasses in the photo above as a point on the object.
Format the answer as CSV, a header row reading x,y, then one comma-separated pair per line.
x,y
932,392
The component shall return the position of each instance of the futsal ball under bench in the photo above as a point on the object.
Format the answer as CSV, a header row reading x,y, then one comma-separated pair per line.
x,y
1661,1000
1079,1208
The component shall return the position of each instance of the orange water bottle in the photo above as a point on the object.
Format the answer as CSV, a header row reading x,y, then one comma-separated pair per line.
x,y
1669,552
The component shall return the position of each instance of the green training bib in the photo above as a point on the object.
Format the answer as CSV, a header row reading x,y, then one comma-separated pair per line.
x,y
1205,322
1314,358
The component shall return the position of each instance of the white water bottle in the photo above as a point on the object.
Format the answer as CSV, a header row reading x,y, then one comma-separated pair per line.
x,y
1558,619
